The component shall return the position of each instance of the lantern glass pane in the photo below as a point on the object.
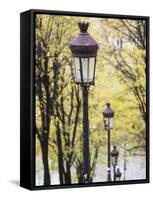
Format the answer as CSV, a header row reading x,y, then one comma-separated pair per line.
x,y
85,69
91,67
108,123
77,74
88,65
114,160
111,120
105,123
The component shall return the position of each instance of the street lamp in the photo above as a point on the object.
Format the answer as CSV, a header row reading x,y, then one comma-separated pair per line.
x,y
114,158
108,117
118,175
125,138
84,50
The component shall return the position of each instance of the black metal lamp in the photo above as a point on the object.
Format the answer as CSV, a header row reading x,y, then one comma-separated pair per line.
x,y
114,155
114,158
118,175
108,116
84,50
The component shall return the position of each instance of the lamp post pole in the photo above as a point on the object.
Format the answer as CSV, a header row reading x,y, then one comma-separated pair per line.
x,y
125,138
84,50
86,156
108,116
124,162
108,151
114,168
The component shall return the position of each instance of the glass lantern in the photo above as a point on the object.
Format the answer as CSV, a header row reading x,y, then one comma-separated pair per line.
x,y
108,116
84,50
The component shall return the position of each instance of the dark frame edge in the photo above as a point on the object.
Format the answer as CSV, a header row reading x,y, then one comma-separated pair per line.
x,y
148,99
119,183
86,14
26,79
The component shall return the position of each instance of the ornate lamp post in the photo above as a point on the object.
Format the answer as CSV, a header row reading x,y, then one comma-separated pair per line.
x,y
114,157
108,116
84,50
125,138
118,175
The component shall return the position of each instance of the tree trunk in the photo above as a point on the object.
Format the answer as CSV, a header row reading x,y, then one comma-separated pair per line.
x,y
79,172
60,155
44,147
68,173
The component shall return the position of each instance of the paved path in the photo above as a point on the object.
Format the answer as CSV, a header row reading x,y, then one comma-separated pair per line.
x,y
136,169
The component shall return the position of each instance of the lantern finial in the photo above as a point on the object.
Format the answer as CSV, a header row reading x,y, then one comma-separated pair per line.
x,y
108,104
83,26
